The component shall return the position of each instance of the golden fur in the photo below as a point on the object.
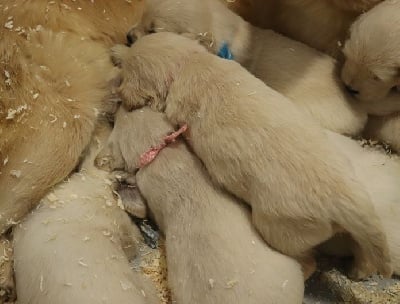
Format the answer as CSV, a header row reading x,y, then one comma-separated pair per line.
x,y
55,77
306,76
372,66
380,175
214,254
255,143
75,247
321,24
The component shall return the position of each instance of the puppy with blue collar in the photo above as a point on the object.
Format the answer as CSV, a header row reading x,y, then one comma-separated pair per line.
x,y
304,75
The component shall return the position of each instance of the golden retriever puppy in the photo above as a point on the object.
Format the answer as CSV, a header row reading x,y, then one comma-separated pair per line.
x,y
372,66
256,144
321,24
214,255
75,247
380,175
304,75
55,77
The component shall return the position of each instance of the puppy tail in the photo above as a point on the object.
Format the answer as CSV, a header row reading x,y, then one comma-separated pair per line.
x,y
357,216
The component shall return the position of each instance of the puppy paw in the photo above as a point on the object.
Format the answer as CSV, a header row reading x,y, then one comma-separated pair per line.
x,y
308,265
118,54
103,161
361,271
132,201
124,184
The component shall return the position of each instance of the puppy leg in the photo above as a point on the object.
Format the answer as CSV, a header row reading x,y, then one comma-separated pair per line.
x,y
361,267
294,237
308,264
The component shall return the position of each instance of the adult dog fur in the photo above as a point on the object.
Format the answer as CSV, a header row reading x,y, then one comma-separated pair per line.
x,y
214,255
303,74
74,248
380,175
55,76
256,144
321,24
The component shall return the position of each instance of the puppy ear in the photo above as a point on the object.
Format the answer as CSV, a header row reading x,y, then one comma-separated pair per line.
x,y
205,39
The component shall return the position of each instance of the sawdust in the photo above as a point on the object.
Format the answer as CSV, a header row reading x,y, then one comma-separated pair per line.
x,y
154,265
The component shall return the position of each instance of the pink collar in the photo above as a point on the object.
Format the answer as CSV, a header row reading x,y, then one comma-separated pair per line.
x,y
148,156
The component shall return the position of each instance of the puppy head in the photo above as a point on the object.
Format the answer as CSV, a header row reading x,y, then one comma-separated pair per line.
x,y
149,67
372,66
176,16
135,133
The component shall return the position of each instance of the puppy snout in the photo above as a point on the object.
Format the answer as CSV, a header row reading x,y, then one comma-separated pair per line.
x,y
351,90
131,38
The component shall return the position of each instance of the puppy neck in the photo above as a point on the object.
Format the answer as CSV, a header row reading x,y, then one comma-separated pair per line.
x,y
229,28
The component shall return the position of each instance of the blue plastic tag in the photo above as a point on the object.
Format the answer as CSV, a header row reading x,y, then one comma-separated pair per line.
x,y
225,52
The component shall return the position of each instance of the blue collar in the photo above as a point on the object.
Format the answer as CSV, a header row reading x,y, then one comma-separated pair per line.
x,y
225,52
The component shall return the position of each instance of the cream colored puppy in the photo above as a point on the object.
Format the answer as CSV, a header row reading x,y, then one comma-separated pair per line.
x,y
214,255
372,67
75,247
380,176
321,24
303,74
256,144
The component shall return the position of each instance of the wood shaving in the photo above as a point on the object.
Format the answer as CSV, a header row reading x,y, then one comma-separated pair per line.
x,y
15,173
154,266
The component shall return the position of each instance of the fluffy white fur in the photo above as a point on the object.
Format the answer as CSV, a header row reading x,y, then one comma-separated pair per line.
x,y
256,144
214,254
74,248
301,73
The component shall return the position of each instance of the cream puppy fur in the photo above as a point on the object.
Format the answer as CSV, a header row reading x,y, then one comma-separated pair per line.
x,y
214,255
380,176
321,24
74,248
372,66
303,74
256,144
55,77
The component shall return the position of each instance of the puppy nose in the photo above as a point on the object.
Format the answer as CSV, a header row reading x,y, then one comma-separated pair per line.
x,y
351,90
130,38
